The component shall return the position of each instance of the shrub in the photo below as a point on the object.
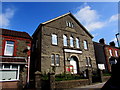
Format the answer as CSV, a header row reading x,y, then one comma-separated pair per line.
x,y
63,77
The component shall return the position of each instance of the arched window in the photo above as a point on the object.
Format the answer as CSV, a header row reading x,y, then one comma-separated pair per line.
x,y
71,41
57,59
85,45
64,40
54,39
52,59
77,43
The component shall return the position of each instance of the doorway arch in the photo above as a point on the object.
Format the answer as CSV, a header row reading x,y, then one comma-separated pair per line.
x,y
74,63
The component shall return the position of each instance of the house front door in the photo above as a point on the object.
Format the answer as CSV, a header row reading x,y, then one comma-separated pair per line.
x,y
74,64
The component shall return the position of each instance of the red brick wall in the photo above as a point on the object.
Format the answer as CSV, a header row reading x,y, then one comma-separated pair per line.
x,y
10,84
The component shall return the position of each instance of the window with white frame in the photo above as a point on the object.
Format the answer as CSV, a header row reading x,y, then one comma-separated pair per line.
x,y
71,41
9,48
77,43
69,24
88,61
55,60
85,45
110,51
9,72
52,59
54,39
116,53
64,40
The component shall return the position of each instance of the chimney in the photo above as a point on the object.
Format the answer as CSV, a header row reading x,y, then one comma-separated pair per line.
x,y
112,43
102,41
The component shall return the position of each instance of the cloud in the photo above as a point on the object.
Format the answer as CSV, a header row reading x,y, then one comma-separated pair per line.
x,y
95,35
89,18
115,17
114,39
6,17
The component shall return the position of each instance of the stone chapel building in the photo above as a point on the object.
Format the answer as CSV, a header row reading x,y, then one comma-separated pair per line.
x,y
64,45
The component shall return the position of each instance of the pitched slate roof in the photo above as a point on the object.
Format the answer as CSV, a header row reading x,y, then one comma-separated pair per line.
x,y
61,17
13,33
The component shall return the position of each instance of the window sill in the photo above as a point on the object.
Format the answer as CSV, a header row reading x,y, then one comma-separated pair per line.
x,y
55,65
8,80
54,45
73,48
86,49
8,55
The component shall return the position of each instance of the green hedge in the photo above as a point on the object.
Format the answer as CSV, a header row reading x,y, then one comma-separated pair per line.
x,y
64,77
106,74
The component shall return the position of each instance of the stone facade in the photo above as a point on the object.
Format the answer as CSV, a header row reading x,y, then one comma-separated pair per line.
x,y
43,48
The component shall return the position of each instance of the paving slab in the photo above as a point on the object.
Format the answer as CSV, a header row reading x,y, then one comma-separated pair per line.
x,y
96,86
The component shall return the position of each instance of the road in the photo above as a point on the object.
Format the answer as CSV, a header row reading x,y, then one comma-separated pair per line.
x,y
97,86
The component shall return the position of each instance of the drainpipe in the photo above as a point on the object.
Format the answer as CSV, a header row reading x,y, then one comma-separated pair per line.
x,y
28,75
117,39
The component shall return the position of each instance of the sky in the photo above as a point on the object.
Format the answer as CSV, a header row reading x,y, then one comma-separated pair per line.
x,y
99,18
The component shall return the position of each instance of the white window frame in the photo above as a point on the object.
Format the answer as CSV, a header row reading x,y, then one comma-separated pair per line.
x,y
64,40
11,69
71,42
57,64
85,44
88,61
77,43
54,39
116,53
54,60
5,51
69,24
110,51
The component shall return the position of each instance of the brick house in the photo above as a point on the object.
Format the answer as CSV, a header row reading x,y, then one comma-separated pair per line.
x,y
104,54
63,45
14,58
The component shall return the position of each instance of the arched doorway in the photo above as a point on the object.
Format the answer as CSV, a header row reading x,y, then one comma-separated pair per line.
x,y
74,63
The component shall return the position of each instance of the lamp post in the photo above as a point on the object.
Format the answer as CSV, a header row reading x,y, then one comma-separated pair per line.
x,y
117,39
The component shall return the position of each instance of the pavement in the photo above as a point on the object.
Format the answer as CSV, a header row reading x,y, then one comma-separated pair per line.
x,y
96,86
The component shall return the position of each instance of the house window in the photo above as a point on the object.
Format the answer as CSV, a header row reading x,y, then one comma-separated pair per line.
x,y
64,40
55,60
54,39
69,24
9,72
85,45
110,51
77,43
71,41
116,53
9,48
88,61
52,59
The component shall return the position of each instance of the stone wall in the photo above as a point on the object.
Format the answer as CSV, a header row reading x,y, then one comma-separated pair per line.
x,y
71,83
106,78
